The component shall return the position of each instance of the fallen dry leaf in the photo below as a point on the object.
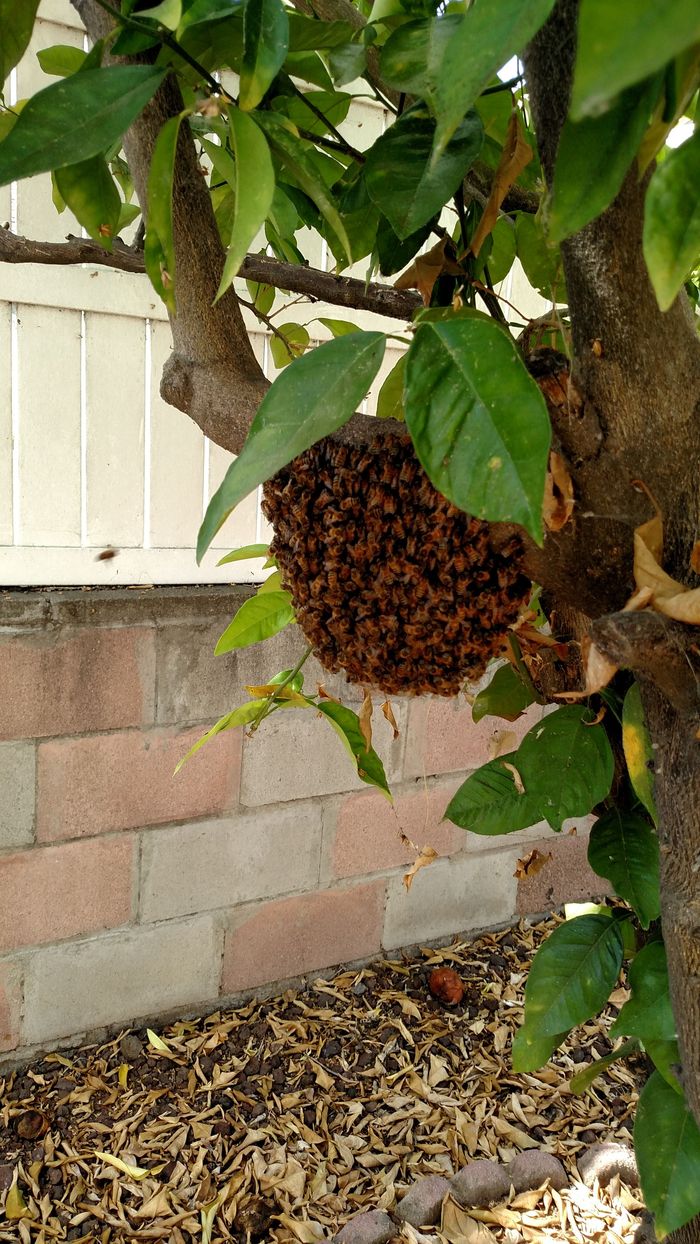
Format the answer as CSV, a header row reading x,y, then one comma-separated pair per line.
x,y
519,785
531,864
426,856
516,154
558,494
458,1227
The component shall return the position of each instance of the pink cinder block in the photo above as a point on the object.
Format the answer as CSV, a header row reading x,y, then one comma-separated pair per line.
x,y
10,1006
296,935
453,742
57,892
97,679
368,836
565,878
125,781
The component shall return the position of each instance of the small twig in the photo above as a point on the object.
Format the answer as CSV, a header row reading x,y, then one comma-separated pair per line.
x,y
342,142
164,36
266,320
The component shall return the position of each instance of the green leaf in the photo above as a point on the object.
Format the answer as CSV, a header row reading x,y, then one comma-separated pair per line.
x,y
262,296
339,328
159,247
76,118
671,238
490,803
582,1081
478,420
593,157
168,14
412,56
506,696
541,262
648,1014
307,34
60,60
347,726
273,583
390,398
291,344
639,754
347,63
531,1049
16,24
402,179
392,253
89,190
309,67
295,158
334,106
667,1146
621,43
242,554
253,191
265,44
665,1056
257,619
566,764
502,255
315,395
238,717
624,848
572,974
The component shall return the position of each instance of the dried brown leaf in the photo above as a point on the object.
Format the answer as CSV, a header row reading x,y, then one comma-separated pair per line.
x,y
531,864
515,156
519,785
389,714
425,270
427,855
558,494
365,719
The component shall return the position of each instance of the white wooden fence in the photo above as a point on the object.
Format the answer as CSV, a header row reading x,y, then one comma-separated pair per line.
x,y
90,456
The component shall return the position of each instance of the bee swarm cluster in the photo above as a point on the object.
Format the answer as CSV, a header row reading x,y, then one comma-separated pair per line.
x,y
390,581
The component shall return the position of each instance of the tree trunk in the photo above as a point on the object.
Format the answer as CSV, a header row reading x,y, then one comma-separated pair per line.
x,y
635,415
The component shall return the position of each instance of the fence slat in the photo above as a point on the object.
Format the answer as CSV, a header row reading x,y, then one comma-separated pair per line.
x,y
177,461
115,408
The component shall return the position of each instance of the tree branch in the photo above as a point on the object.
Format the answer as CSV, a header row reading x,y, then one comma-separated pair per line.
x,y
657,648
342,291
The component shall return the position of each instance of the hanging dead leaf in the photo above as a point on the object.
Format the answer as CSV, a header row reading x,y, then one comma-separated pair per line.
x,y
365,719
558,494
598,672
695,558
427,855
425,270
516,154
389,714
326,695
519,786
668,596
531,864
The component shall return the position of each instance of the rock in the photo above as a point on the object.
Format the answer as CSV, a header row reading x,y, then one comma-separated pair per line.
x,y
604,1161
530,1169
422,1203
374,1227
480,1184
130,1047
7,1173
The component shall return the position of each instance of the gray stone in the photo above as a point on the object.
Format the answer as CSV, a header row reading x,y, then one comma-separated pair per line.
x,y
17,782
422,1203
7,1173
465,892
374,1227
130,1047
530,1169
604,1161
480,1184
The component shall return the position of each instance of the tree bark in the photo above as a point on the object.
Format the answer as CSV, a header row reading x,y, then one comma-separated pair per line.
x,y
633,414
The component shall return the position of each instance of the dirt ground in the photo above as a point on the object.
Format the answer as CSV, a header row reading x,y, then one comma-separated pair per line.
x,y
280,1120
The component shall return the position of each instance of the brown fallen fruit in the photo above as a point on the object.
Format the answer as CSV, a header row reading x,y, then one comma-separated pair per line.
x,y
445,984
31,1125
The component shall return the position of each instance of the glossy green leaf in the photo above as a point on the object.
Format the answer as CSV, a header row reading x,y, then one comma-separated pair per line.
x,y
478,420
296,159
265,44
262,296
338,328
243,554
291,343
667,1147
159,246
238,717
403,180
573,974
90,191
347,63
582,1081
671,238
541,261
168,14
127,215
309,34
309,67
624,848
347,726
622,43
253,191
647,1014
639,754
531,1049
392,253
390,397
273,583
412,56
61,60
665,1056
315,395
506,696
333,105
490,803
593,157
79,117
258,618
16,24
566,764
503,249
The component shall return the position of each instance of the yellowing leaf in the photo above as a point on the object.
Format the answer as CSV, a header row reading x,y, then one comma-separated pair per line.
x,y
134,1172
122,1075
157,1042
516,154
668,596
280,693
426,857
15,1206
530,865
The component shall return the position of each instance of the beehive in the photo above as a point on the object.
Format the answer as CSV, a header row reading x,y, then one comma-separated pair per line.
x,y
390,581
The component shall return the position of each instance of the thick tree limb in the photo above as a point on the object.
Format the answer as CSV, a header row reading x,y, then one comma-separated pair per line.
x,y
342,291
663,651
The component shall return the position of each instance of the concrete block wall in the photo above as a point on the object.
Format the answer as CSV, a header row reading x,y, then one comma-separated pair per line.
x,y
127,893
